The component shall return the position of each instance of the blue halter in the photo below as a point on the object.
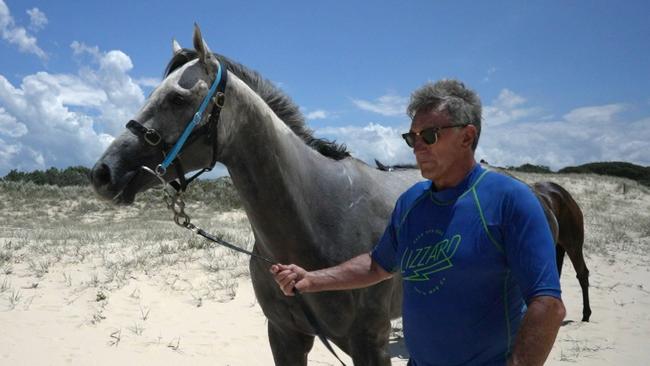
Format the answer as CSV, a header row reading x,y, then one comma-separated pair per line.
x,y
161,169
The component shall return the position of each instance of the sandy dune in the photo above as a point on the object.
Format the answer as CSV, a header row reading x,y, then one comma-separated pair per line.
x,y
114,298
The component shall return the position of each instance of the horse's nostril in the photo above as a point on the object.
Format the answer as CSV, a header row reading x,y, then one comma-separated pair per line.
x,y
101,174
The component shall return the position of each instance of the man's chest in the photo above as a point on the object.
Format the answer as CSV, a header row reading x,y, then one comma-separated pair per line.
x,y
442,244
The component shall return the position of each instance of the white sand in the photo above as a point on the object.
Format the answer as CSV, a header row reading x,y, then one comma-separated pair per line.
x,y
53,323
162,318
56,326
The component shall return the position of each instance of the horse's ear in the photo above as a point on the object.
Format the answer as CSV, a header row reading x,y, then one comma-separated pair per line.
x,y
200,46
176,47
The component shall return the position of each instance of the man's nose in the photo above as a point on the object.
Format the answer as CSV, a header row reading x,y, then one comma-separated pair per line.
x,y
419,144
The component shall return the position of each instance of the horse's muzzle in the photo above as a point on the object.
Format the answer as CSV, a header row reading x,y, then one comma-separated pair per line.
x,y
109,186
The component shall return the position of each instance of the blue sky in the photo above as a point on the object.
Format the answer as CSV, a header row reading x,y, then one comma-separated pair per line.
x,y
562,82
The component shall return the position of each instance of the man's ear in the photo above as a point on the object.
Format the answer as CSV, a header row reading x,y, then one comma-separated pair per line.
x,y
469,135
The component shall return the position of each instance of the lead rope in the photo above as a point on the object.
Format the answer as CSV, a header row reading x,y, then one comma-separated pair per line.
x,y
175,203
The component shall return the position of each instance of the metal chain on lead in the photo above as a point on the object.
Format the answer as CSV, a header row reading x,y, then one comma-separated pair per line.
x,y
174,202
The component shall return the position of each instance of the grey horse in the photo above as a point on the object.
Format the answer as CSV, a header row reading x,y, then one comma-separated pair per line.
x,y
307,200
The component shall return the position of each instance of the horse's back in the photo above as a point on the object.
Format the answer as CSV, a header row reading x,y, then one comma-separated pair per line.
x,y
566,210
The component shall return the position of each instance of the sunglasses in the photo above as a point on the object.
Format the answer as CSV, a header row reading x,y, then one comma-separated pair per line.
x,y
429,135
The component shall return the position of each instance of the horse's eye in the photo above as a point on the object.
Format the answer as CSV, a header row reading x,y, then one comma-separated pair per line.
x,y
178,100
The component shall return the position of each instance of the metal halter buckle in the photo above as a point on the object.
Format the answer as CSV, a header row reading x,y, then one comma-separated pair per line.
x,y
152,137
160,171
219,99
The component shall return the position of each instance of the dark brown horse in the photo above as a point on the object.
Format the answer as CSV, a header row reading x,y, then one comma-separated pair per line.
x,y
566,221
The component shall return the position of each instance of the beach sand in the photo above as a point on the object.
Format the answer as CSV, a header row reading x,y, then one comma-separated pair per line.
x,y
90,305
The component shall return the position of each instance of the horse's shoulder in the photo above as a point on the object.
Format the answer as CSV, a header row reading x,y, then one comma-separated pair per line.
x,y
411,195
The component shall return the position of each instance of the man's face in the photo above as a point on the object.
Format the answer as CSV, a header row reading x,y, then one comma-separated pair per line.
x,y
435,160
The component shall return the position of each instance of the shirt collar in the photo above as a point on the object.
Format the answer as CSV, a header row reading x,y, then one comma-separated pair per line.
x,y
449,195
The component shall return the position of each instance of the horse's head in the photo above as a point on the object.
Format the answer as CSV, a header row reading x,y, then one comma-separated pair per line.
x,y
151,135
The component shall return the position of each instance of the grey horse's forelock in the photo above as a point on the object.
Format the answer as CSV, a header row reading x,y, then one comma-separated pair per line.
x,y
462,104
279,102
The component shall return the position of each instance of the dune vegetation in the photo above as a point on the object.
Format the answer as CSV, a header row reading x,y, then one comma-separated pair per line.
x,y
126,278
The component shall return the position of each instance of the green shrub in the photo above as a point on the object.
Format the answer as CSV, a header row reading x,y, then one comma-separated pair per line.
x,y
531,168
635,172
71,176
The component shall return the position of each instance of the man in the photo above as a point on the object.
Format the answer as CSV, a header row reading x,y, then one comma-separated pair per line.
x,y
473,247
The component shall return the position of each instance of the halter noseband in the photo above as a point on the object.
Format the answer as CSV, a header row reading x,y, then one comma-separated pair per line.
x,y
153,138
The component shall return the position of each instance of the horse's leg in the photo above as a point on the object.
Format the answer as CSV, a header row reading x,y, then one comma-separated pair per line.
x,y
289,347
369,346
559,258
582,273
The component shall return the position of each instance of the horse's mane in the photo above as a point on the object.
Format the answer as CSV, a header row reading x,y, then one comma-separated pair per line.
x,y
279,102
389,168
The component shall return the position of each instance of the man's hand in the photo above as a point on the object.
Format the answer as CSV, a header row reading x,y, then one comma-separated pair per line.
x,y
360,271
289,277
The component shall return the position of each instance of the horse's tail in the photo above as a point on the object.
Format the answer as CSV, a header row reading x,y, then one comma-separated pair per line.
x,y
572,235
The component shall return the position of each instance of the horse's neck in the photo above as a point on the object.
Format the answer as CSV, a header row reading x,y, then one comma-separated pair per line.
x,y
272,168
260,150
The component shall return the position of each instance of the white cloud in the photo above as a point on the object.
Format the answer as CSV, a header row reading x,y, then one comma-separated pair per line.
x,y
54,119
508,99
18,35
563,142
386,105
10,126
507,108
373,141
123,96
115,61
8,153
317,114
57,136
516,133
148,82
603,113
80,48
69,89
20,157
37,19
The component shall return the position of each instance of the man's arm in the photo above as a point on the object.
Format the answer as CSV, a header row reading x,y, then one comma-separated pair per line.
x,y
538,331
360,271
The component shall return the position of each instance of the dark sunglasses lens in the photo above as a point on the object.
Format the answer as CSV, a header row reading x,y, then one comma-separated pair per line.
x,y
429,136
409,138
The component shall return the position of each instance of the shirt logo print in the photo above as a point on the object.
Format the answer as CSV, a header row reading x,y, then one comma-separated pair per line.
x,y
418,264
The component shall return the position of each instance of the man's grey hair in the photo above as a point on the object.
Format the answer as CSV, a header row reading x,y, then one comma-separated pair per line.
x,y
462,104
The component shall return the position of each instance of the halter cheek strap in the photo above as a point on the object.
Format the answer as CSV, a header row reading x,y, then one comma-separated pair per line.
x,y
216,95
198,116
